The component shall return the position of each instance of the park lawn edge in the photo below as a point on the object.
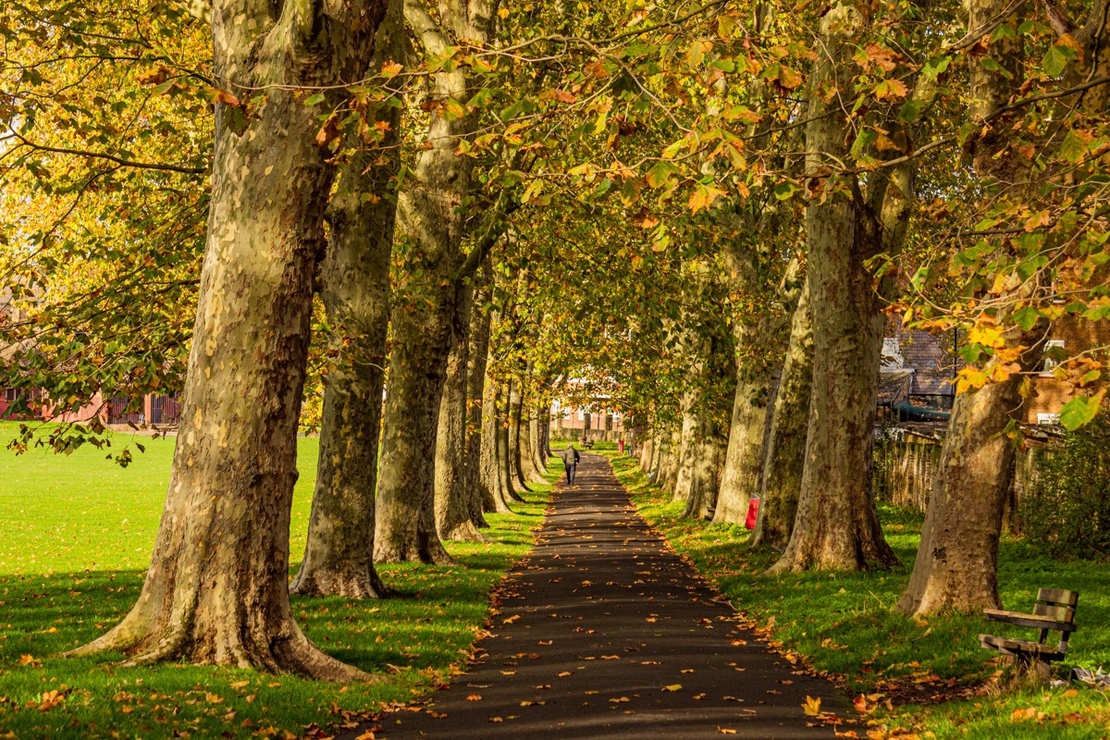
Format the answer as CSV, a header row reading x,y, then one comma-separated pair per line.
x,y
969,700
416,642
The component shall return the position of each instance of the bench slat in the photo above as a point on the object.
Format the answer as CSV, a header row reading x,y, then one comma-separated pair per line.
x,y
1009,646
1058,596
1029,620
1058,613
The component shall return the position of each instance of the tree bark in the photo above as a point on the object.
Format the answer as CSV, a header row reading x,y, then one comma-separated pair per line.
x,y
217,589
836,525
353,283
687,450
784,458
480,317
431,211
744,456
504,443
705,459
496,498
452,506
517,438
957,562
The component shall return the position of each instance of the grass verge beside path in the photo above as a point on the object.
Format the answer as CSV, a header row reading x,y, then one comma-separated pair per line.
x,y
75,536
842,624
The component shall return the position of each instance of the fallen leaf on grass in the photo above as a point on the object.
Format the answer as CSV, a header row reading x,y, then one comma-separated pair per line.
x,y
30,660
51,699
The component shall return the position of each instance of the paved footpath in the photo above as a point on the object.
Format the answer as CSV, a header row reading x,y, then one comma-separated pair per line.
x,y
603,632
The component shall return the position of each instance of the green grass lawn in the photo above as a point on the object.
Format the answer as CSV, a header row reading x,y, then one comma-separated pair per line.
x,y
77,532
842,624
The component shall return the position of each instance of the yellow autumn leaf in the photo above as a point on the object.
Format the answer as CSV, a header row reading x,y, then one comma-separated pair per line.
x,y
970,378
812,707
985,335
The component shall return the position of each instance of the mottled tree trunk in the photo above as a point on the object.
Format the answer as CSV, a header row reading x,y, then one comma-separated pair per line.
x,y
517,438
452,505
744,456
504,443
480,317
836,526
957,562
784,457
704,464
647,453
432,213
687,450
217,590
354,286
495,497
668,459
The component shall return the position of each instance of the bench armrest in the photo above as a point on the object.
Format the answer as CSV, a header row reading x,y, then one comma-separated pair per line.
x,y
1028,620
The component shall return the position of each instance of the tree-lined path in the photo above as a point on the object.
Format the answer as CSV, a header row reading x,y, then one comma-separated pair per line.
x,y
603,632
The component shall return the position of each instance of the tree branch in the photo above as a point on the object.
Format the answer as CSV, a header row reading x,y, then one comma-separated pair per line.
x,y
485,245
1057,18
111,158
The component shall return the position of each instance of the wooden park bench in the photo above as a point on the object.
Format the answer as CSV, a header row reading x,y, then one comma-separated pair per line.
x,y
1054,612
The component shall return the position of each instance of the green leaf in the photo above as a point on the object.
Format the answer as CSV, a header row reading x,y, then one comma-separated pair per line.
x,y
784,190
314,100
1056,60
658,175
994,66
1026,317
1080,410
865,139
1072,148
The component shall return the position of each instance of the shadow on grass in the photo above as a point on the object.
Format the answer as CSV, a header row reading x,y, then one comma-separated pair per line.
x,y
842,624
415,641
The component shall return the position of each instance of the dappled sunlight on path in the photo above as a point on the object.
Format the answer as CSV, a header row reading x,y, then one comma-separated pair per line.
x,y
603,632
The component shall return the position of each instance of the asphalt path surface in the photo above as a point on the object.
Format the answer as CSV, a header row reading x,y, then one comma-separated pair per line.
x,y
603,632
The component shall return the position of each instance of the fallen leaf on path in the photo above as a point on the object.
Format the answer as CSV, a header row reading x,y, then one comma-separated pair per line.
x,y
673,687
812,707
496,719
474,697
726,731
366,736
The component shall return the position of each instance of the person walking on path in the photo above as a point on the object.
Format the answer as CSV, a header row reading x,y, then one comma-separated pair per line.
x,y
570,462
